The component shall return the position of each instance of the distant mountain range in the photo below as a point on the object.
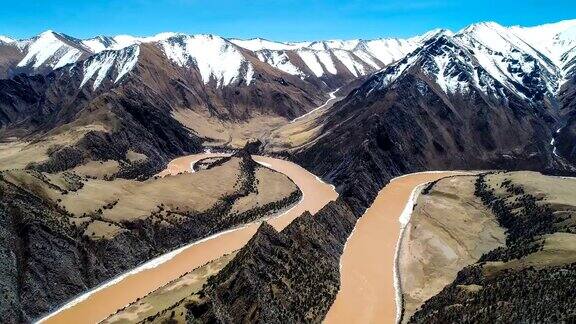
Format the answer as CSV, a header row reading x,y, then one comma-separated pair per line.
x,y
205,85
216,57
221,59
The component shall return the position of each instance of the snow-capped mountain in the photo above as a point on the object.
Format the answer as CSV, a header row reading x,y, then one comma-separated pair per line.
x,y
511,54
490,57
481,98
51,50
47,51
5,39
100,43
216,58
323,59
534,61
109,63
557,41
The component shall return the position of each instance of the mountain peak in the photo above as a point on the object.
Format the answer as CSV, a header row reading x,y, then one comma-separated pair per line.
x,y
483,25
6,39
437,32
47,33
216,58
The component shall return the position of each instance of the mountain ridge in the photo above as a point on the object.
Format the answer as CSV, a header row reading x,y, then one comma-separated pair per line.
x,y
452,103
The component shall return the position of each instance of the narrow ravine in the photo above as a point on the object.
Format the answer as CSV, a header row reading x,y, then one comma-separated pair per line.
x,y
368,291
553,141
331,100
97,304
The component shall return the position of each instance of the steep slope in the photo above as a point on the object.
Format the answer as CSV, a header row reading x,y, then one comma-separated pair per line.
x,y
10,55
277,277
555,40
442,106
558,41
51,125
512,61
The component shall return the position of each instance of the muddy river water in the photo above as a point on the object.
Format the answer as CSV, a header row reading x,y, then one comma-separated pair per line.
x,y
97,304
367,292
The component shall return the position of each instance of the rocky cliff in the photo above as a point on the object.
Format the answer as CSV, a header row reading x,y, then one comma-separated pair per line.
x,y
277,277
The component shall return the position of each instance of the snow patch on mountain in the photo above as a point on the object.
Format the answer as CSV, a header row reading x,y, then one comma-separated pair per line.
x,y
99,43
353,65
108,64
326,60
447,77
311,60
6,39
360,57
447,62
48,48
390,50
511,59
558,42
347,45
367,58
258,44
391,73
102,43
215,57
279,60
553,40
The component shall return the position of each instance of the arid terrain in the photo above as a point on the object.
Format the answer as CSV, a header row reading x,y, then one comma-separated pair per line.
x,y
170,296
368,292
120,223
449,229
487,242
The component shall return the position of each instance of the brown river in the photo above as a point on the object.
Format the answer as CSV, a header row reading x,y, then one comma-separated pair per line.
x,y
367,293
96,305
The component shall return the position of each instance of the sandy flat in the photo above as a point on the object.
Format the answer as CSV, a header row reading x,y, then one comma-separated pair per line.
x,y
101,303
450,229
367,293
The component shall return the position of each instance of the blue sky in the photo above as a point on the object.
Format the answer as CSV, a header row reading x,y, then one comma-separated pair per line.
x,y
272,19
